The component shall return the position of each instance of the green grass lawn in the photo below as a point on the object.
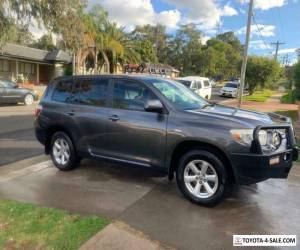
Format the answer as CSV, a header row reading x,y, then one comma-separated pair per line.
x,y
259,96
289,97
26,226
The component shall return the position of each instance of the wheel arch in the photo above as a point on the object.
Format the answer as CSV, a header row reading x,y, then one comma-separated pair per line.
x,y
187,145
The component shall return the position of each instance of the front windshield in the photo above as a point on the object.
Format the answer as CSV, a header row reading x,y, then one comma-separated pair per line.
x,y
231,85
180,96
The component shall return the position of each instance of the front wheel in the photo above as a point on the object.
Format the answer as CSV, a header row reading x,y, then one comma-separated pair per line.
x,y
201,177
63,153
28,99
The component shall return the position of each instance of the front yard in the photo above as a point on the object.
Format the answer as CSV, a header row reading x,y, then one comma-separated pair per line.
x,y
259,96
26,226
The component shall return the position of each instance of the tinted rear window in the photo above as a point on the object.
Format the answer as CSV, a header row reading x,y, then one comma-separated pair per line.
x,y
63,91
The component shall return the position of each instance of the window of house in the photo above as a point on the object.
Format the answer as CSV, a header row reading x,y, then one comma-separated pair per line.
x,y
4,66
94,92
26,68
131,95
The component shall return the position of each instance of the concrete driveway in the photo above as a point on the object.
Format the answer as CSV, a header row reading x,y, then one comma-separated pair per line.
x,y
153,205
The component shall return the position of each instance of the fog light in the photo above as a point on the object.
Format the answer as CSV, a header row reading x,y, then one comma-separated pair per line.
x,y
274,160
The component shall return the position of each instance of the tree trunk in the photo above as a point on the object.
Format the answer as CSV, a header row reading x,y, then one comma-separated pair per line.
x,y
74,64
105,57
96,62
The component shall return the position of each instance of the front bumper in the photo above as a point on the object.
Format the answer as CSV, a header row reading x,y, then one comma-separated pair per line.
x,y
229,94
252,168
256,166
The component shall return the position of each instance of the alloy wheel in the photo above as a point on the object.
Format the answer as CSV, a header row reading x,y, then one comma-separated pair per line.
x,y
28,99
201,179
61,151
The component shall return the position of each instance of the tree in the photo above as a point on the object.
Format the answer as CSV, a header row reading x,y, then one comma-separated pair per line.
x,y
230,38
260,72
184,50
156,35
296,77
111,41
44,43
56,16
146,51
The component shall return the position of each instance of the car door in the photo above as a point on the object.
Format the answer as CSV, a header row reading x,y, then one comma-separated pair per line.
x,y
90,113
199,88
10,93
134,135
206,88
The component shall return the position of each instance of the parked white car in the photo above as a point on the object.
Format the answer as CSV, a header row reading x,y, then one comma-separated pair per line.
x,y
200,85
230,89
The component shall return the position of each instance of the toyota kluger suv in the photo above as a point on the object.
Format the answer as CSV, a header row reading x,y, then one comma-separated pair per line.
x,y
157,123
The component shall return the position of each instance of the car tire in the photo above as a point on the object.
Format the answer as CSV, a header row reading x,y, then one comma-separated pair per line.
x,y
28,99
63,153
203,187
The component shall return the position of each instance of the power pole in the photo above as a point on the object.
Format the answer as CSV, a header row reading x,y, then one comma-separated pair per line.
x,y
277,44
244,64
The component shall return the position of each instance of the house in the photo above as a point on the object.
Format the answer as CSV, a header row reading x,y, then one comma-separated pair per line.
x,y
32,65
157,69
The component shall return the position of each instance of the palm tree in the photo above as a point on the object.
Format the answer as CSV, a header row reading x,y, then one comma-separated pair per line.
x,y
111,42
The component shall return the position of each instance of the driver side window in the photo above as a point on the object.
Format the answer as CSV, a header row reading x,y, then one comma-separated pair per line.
x,y
131,95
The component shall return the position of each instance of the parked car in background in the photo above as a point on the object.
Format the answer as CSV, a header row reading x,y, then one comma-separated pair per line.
x,y
157,123
11,93
200,85
213,82
230,89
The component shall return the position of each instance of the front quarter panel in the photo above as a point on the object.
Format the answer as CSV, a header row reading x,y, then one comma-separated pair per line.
x,y
216,132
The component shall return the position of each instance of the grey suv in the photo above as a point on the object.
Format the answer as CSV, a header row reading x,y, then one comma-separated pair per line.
x,y
157,123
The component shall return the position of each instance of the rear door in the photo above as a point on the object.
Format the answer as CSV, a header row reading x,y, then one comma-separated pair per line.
x,y
90,113
133,134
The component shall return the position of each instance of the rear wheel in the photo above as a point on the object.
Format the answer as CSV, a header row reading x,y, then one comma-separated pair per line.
x,y
201,177
62,152
28,99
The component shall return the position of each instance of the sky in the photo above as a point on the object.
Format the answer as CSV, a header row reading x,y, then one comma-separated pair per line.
x,y
273,20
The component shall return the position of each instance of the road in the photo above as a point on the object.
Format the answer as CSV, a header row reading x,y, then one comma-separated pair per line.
x,y
17,140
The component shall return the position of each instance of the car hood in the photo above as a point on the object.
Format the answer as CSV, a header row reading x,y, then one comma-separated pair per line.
x,y
243,115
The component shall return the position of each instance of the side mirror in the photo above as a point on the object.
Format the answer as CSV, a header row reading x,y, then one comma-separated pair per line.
x,y
153,106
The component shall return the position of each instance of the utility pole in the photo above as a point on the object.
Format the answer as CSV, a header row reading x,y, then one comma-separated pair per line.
x,y
277,44
244,64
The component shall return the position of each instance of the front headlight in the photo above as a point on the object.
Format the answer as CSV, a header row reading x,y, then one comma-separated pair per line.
x,y
271,139
243,136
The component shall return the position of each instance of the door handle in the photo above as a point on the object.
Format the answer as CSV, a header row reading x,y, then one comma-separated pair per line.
x,y
114,118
